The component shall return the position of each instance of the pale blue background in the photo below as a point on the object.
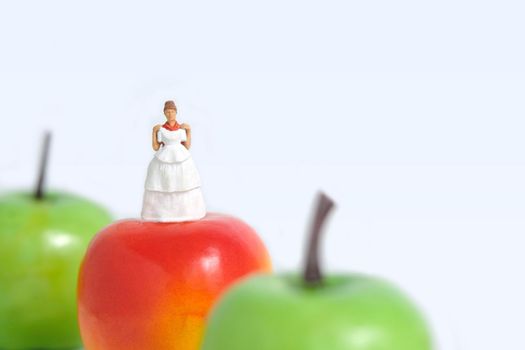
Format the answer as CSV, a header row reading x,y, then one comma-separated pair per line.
x,y
409,113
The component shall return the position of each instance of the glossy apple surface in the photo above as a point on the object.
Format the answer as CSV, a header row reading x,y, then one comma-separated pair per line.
x,y
42,242
315,312
148,285
349,312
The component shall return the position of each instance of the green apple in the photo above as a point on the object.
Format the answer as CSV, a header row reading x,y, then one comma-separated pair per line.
x,y
43,237
313,312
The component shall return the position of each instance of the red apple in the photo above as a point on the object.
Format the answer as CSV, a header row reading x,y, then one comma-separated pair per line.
x,y
149,285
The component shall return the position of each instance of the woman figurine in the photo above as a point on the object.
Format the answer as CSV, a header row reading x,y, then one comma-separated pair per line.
x,y
172,189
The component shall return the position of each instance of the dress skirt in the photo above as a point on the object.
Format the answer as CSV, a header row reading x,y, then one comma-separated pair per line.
x,y
172,191
173,206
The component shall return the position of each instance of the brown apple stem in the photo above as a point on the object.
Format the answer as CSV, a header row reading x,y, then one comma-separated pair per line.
x,y
312,274
39,190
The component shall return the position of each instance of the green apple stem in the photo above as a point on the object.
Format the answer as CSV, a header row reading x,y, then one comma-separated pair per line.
x,y
39,190
312,274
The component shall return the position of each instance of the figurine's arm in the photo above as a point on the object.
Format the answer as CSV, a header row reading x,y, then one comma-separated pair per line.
x,y
187,143
154,142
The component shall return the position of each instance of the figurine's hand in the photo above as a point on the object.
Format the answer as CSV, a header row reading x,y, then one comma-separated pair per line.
x,y
185,126
156,127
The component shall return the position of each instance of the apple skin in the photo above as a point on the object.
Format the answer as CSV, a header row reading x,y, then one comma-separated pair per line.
x,y
150,285
42,243
347,312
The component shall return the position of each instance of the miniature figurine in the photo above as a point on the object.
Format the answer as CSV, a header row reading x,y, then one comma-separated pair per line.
x,y
172,190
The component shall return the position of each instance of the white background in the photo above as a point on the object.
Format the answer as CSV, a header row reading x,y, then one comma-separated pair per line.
x,y
410,114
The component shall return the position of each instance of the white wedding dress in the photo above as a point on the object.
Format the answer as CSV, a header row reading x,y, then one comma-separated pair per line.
x,y
172,190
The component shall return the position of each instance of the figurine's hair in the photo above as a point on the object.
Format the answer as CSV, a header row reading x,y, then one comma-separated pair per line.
x,y
170,105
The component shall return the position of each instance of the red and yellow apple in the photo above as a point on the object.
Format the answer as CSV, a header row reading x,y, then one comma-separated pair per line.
x,y
149,285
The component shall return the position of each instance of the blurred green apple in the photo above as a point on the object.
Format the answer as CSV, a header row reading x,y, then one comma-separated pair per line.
x,y
312,312
43,237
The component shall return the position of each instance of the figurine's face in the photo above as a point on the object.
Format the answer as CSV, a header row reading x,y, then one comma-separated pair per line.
x,y
171,114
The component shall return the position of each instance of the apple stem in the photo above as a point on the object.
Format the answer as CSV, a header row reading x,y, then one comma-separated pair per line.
x,y
39,190
312,274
